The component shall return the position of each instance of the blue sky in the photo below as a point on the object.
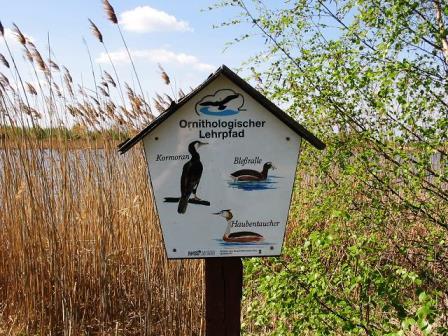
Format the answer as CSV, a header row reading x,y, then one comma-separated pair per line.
x,y
176,34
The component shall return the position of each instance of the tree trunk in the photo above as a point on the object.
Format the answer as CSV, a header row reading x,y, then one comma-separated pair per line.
x,y
441,25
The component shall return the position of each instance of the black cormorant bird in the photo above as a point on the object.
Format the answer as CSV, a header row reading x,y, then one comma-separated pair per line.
x,y
237,237
252,175
191,176
222,103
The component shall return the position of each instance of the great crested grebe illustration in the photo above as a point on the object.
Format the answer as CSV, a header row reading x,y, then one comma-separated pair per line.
x,y
223,102
191,176
252,175
240,236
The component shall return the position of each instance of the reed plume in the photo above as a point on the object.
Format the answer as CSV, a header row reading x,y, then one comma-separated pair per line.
x,y
110,12
31,89
103,91
53,65
28,55
2,30
4,61
19,35
164,75
57,90
30,111
13,60
95,31
4,80
67,75
68,81
108,78
39,60
158,106
104,83
96,101
170,100
181,94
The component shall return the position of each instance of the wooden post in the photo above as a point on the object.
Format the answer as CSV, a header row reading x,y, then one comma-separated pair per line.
x,y
223,292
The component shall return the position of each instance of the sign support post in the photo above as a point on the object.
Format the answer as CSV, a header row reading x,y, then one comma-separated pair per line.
x,y
223,293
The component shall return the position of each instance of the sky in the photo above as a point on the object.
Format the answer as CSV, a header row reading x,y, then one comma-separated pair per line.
x,y
176,34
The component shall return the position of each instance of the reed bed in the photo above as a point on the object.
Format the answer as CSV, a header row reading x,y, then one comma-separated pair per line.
x,y
81,249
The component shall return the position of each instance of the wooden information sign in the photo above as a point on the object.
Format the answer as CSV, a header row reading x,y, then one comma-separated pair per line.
x,y
222,163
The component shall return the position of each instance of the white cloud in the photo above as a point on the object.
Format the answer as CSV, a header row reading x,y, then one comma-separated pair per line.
x,y
143,19
159,55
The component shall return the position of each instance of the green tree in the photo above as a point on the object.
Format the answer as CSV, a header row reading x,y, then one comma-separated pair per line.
x,y
368,254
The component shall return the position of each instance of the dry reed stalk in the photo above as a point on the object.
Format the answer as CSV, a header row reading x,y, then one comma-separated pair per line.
x,y
110,12
92,68
96,32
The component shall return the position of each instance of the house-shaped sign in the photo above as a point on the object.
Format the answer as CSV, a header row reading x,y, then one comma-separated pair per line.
x,y
222,163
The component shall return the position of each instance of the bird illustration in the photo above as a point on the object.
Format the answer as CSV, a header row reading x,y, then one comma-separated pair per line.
x,y
191,176
253,175
222,103
237,237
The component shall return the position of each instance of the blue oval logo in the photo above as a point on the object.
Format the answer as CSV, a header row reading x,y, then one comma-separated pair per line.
x,y
225,102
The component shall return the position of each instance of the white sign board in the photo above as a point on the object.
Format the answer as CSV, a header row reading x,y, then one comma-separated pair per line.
x,y
222,170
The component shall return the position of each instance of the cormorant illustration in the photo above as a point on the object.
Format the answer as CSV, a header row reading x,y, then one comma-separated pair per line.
x,y
237,237
222,103
252,175
191,176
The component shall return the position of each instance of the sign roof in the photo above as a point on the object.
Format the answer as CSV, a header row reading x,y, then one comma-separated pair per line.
x,y
261,99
